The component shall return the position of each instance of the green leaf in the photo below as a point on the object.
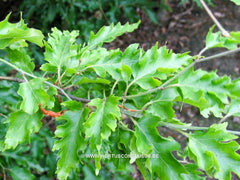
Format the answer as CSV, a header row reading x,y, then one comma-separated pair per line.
x,y
234,38
162,109
144,167
102,122
234,108
156,64
205,90
116,63
162,104
37,147
8,93
235,35
108,33
11,33
148,141
237,2
85,80
152,15
126,72
21,155
21,59
49,68
18,173
214,39
21,126
89,174
71,138
51,92
234,88
116,148
61,50
103,61
33,95
131,55
193,173
215,151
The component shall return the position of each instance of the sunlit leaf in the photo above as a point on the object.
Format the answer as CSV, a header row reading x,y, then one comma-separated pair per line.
x,y
109,33
237,2
156,64
21,126
61,51
21,59
162,104
85,80
148,141
71,138
11,33
21,173
215,151
33,95
102,122
205,90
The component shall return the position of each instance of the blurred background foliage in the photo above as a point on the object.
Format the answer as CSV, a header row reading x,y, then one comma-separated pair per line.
x,y
86,16
90,15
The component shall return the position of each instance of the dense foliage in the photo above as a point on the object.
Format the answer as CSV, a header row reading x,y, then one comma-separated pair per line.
x,y
86,15
90,15
108,105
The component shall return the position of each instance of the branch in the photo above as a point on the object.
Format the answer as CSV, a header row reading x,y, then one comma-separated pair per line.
x,y
183,71
33,76
224,32
60,92
11,79
76,98
124,111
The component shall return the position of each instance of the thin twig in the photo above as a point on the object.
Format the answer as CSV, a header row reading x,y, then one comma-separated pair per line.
x,y
24,77
129,113
33,76
114,85
104,95
126,91
201,52
72,85
102,12
11,79
122,125
224,118
60,92
178,16
224,32
76,98
59,76
3,115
